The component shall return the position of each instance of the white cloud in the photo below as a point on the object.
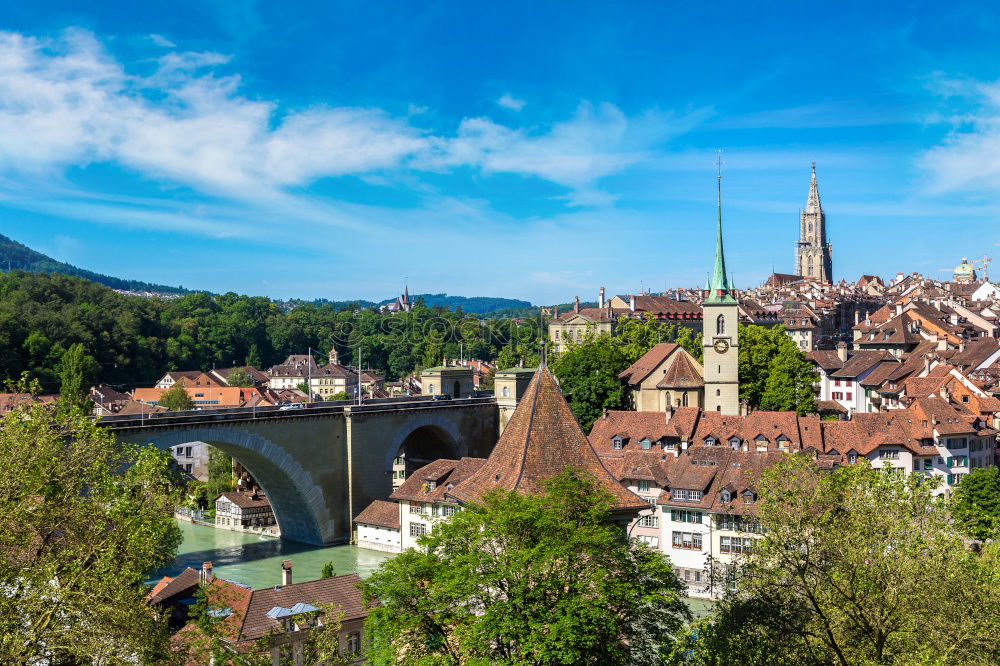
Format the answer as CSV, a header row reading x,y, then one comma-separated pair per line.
x,y
67,102
508,101
160,40
968,158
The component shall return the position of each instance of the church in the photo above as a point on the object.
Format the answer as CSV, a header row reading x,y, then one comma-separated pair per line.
x,y
813,254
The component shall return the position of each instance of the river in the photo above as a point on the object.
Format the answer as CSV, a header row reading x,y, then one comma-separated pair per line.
x,y
256,561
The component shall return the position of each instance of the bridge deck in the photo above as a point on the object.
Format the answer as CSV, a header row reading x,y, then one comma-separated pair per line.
x,y
239,414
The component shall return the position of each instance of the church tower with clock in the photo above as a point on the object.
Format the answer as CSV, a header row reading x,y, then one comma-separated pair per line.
x,y
720,331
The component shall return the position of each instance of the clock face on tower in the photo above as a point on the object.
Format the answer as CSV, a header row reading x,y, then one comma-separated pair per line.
x,y
721,346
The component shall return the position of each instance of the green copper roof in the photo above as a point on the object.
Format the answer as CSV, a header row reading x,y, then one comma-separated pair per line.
x,y
719,287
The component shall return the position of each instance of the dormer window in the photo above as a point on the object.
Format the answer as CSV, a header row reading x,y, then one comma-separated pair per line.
x,y
761,443
710,441
431,485
748,497
725,496
734,443
852,457
617,443
645,443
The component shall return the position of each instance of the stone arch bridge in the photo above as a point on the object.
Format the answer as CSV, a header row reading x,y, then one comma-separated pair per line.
x,y
320,466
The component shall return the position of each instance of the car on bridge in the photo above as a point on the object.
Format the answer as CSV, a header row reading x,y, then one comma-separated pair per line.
x,y
294,405
439,398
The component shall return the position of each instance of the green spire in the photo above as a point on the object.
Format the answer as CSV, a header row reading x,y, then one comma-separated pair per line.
x,y
719,287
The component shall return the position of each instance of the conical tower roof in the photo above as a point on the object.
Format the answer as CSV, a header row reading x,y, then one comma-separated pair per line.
x,y
719,287
541,440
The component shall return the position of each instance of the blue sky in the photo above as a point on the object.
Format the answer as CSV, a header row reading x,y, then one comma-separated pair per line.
x,y
533,150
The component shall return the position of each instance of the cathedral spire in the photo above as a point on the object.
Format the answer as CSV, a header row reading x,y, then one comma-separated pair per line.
x,y
719,287
812,202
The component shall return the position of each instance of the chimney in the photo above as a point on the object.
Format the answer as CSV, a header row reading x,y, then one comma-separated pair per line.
x,y
555,314
600,298
205,576
942,342
576,304
631,302
961,346
286,573
927,365
857,317
842,351
899,308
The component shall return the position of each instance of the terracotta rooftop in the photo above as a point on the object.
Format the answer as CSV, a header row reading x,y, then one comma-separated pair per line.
x,y
380,513
246,500
432,482
340,590
649,361
683,372
541,440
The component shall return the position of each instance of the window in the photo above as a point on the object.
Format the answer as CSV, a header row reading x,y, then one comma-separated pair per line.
x,y
725,496
643,486
709,441
928,463
748,497
649,521
417,529
957,443
685,495
685,516
720,325
645,443
397,461
735,544
505,392
687,540
430,388
651,541
353,643
447,511
761,443
415,507
888,454
850,396
617,443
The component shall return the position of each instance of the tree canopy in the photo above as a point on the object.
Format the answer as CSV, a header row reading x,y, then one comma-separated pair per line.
x,y
976,504
521,579
774,374
176,399
77,536
855,566
240,378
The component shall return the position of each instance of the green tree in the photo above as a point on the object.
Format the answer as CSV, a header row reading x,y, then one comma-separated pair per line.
x,y
774,373
76,370
588,374
176,399
341,395
526,579
327,571
240,378
77,538
855,566
976,504
220,473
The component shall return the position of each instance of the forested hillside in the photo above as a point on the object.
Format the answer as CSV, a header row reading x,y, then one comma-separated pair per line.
x,y
134,340
15,256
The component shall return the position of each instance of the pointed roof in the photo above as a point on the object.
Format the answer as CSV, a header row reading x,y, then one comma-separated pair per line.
x,y
719,287
812,201
541,440
683,372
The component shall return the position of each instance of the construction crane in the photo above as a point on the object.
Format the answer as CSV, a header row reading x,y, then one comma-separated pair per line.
x,y
983,265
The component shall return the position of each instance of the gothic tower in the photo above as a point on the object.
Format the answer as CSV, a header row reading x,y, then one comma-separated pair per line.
x,y
719,332
813,255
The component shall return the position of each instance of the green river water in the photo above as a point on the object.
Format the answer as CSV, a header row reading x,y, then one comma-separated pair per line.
x,y
256,561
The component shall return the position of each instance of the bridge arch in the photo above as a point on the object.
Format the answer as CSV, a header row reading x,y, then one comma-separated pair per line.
x,y
429,432
297,501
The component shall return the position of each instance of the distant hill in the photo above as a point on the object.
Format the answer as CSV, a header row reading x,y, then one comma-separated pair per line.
x,y
17,257
480,305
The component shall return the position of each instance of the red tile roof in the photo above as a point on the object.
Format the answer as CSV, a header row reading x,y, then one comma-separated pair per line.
x,y
649,361
380,513
541,440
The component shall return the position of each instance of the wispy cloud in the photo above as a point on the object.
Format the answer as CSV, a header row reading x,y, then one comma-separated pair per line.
x,y
508,101
160,40
68,102
968,158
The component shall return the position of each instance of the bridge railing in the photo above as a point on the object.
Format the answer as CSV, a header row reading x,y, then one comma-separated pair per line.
x,y
161,419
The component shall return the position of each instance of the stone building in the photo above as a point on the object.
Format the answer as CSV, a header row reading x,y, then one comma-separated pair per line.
x,y
508,387
452,381
813,254
666,376
242,512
